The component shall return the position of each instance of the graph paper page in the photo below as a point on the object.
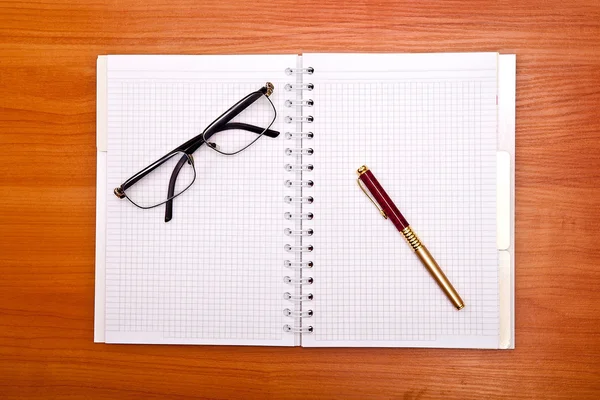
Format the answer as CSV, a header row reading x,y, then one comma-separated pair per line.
x,y
425,124
213,274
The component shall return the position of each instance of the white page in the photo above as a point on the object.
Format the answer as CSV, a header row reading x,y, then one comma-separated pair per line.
x,y
213,274
425,124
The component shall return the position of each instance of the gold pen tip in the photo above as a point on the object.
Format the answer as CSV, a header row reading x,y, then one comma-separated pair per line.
x,y
362,169
460,306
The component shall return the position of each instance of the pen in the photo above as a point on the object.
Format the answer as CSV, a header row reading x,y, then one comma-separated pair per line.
x,y
388,209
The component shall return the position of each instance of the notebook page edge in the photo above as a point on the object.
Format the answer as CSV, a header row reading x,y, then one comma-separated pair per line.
x,y
506,143
101,120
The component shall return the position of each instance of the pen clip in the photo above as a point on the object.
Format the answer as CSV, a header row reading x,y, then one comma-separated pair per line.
x,y
360,184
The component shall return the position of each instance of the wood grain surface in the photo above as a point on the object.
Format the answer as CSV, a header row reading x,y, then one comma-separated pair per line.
x,y
48,50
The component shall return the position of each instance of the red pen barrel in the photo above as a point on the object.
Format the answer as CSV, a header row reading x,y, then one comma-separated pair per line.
x,y
384,200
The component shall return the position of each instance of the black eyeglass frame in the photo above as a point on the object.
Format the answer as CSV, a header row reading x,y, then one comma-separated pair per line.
x,y
220,124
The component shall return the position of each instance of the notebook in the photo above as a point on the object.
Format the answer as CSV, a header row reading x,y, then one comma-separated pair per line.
x,y
277,245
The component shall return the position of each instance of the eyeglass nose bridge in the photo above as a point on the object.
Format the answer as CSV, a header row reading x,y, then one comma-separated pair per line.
x,y
190,159
212,145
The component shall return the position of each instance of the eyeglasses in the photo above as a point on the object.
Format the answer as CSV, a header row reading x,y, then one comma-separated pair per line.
x,y
174,173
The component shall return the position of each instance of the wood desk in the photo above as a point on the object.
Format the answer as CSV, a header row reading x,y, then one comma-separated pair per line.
x,y
48,50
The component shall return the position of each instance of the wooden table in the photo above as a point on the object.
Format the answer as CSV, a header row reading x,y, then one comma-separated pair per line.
x,y
48,50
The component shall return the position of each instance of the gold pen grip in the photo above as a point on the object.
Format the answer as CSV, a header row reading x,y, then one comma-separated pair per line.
x,y
433,267
411,238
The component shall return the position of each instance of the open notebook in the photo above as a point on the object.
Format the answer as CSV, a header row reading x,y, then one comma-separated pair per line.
x,y
278,245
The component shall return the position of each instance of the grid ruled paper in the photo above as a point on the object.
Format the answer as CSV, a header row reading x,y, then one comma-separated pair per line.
x,y
426,126
214,274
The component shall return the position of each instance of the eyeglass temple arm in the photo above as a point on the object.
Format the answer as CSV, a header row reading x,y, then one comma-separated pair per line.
x,y
192,147
194,144
171,190
189,149
222,121
221,124
251,128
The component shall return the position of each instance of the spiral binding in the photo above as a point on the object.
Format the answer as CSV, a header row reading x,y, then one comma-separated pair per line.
x,y
289,87
298,249
291,152
301,216
298,181
301,103
298,232
301,167
298,314
297,297
290,71
299,199
307,119
299,135
298,265
302,281
298,329
290,183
